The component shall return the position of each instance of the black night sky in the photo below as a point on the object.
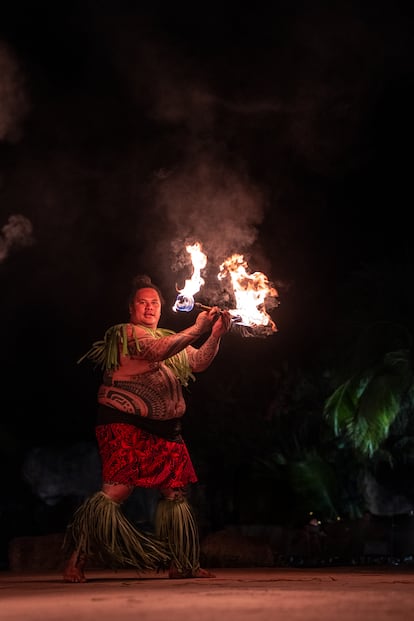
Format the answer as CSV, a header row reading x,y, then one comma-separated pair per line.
x,y
282,131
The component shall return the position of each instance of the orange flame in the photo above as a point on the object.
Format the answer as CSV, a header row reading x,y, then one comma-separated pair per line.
x,y
250,292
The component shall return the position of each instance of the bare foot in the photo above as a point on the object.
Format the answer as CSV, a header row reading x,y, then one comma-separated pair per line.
x,y
174,574
74,569
204,573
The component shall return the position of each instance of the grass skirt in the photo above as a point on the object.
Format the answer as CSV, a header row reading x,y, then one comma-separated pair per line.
x,y
99,530
175,524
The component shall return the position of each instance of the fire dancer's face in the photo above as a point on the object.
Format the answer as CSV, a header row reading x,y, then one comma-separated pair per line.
x,y
146,308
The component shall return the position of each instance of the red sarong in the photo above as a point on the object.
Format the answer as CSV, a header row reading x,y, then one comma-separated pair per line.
x,y
132,456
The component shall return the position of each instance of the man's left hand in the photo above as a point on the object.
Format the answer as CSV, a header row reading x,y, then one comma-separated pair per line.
x,y
222,324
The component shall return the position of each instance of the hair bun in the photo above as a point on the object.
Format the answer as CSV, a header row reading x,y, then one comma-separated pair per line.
x,y
141,280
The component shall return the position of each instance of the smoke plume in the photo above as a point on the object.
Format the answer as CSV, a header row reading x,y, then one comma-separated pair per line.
x,y
17,233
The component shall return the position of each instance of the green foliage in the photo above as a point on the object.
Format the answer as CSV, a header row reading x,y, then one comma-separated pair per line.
x,y
321,445
364,407
311,481
314,480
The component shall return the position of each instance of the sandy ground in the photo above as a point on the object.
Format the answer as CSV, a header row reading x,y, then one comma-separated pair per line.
x,y
339,594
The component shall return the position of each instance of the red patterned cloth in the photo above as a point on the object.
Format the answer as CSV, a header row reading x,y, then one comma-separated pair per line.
x,y
132,456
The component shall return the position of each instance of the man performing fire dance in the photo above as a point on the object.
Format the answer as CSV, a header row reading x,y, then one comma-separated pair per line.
x,y
138,431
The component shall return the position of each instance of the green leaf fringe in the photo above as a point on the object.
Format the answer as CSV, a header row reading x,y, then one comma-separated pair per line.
x,y
99,530
105,353
175,525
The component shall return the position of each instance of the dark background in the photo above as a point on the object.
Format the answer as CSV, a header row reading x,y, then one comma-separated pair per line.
x,y
280,132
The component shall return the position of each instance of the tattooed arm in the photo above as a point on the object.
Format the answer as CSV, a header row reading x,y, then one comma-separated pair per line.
x,y
157,349
200,359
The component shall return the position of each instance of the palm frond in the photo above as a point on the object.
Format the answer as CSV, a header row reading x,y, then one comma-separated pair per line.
x,y
315,482
364,407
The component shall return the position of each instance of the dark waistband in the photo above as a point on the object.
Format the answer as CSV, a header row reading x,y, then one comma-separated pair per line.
x,y
169,429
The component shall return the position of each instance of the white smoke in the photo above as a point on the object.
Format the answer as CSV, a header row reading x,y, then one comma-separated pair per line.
x,y
209,202
13,97
17,233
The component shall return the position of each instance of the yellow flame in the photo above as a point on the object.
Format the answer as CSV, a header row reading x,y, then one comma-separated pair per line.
x,y
199,260
250,292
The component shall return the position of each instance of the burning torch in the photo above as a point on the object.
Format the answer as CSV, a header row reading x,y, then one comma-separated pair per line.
x,y
186,303
250,291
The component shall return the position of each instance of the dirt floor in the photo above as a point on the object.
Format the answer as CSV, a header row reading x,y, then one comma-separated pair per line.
x,y
288,594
